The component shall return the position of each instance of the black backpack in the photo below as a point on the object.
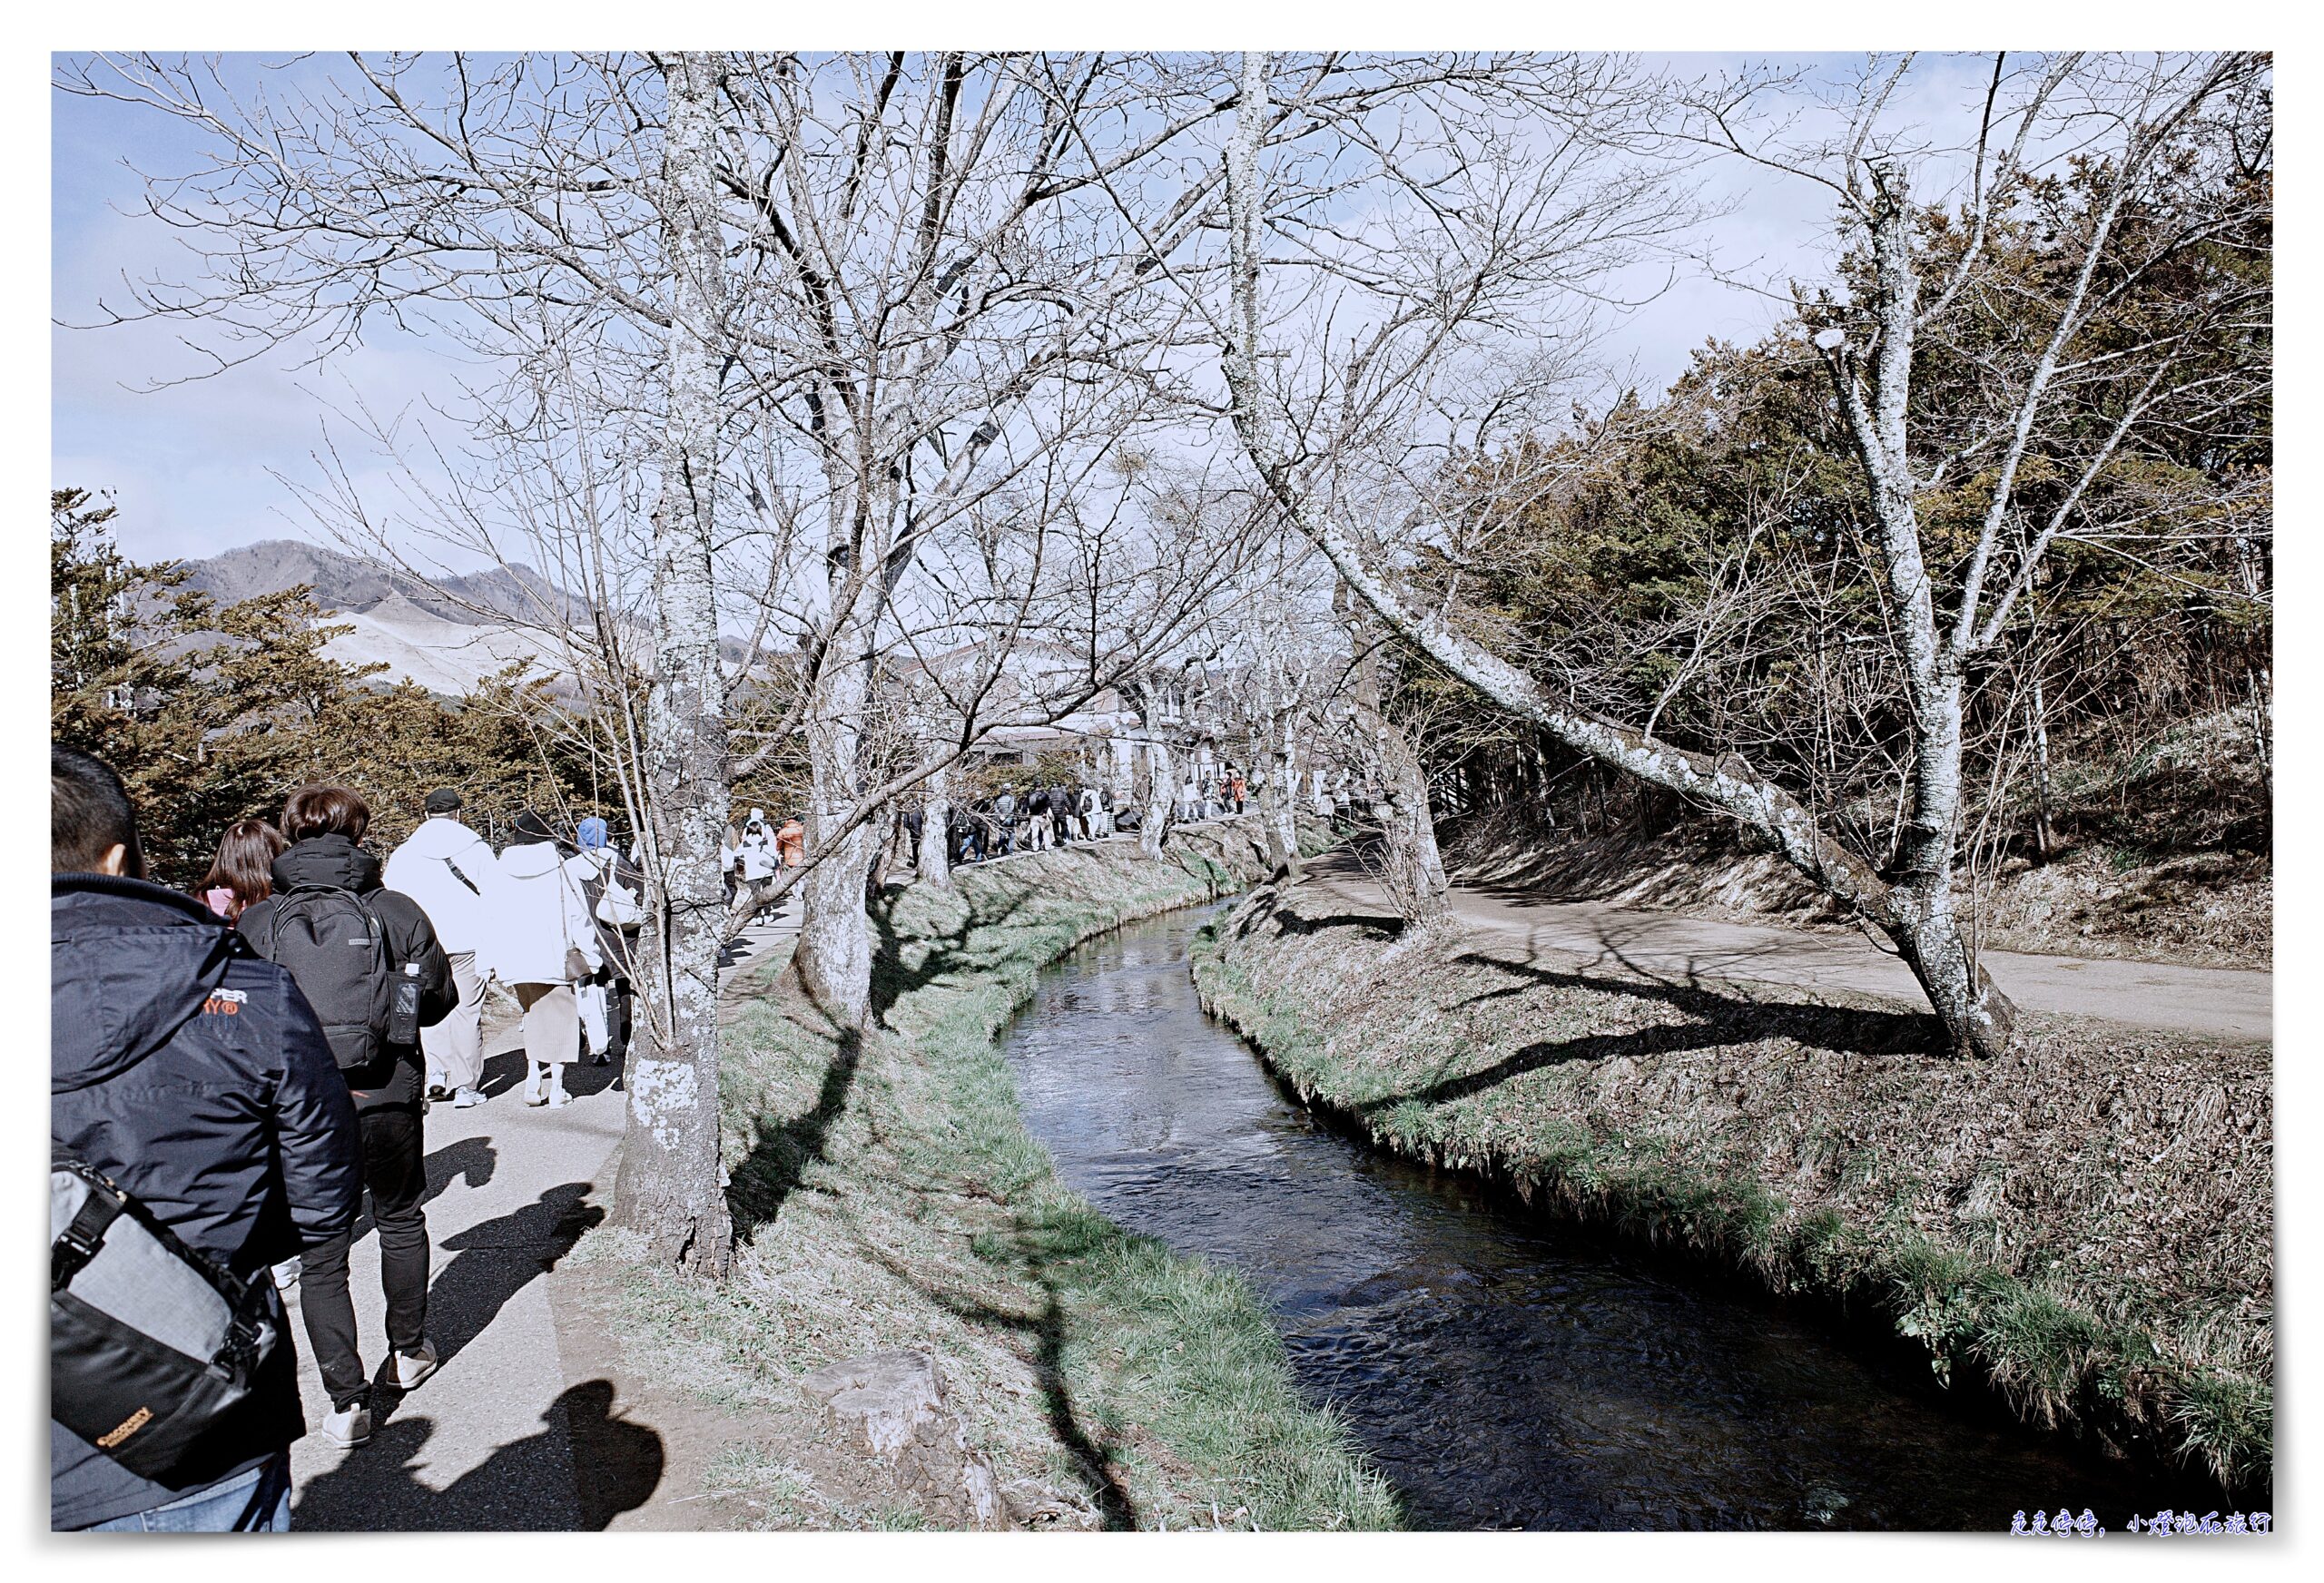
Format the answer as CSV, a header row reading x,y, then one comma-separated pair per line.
x,y
336,948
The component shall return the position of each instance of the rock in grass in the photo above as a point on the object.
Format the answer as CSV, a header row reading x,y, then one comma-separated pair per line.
x,y
892,1405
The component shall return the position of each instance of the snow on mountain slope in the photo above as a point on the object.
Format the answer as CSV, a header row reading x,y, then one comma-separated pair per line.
x,y
430,634
443,656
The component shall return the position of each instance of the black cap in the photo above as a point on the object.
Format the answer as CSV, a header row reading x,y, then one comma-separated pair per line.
x,y
443,799
533,828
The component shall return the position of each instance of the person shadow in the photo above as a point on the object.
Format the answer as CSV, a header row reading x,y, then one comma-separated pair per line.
x,y
470,1160
584,1468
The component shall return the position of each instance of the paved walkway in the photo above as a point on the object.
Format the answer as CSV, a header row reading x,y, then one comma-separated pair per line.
x,y
511,1433
2211,1002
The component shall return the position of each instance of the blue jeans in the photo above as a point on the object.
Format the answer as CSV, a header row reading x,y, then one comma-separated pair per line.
x,y
258,1501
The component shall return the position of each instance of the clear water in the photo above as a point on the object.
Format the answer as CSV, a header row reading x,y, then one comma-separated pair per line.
x,y
1504,1371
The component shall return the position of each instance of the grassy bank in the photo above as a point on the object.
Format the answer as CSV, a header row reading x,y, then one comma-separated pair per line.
x,y
889,1195
2085,1224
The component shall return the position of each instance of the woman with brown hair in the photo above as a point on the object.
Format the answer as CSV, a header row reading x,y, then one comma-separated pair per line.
x,y
242,875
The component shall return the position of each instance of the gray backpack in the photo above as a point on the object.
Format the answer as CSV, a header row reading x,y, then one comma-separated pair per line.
x,y
155,1351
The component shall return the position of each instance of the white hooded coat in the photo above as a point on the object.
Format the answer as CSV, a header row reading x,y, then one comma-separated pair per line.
x,y
538,916
757,853
422,868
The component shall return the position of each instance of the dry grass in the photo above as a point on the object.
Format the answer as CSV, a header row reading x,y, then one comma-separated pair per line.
x,y
890,1196
2085,1224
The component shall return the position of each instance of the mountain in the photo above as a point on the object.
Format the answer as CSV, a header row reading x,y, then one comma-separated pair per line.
x,y
349,583
442,635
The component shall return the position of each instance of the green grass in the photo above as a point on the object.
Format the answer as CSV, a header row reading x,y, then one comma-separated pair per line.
x,y
1823,1160
888,1193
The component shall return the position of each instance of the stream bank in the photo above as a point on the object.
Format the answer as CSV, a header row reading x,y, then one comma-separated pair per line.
x,y
2084,1226
888,1198
1503,1369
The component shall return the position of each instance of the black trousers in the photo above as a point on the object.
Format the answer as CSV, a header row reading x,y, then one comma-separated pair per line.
x,y
397,1180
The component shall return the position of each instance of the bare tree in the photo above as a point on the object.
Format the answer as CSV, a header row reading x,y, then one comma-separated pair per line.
x,y
672,1184
2134,115
1514,230
957,289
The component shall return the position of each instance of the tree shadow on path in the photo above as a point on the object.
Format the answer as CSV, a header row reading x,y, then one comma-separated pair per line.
x,y
1718,1019
1045,1244
497,1259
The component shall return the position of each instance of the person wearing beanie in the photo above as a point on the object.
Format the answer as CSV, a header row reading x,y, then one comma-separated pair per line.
x,y
543,943
450,871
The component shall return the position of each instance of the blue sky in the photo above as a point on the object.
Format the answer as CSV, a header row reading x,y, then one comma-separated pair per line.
x,y
196,468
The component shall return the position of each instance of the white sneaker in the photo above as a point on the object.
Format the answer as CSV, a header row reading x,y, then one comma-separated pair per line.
x,y
558,1098
467,1098
412,1368
348,1430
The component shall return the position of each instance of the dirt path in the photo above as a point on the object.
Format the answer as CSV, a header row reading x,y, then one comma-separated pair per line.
x,y
2209,1002
515,1431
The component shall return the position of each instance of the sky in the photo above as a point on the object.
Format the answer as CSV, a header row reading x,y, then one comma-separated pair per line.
x,y
199,467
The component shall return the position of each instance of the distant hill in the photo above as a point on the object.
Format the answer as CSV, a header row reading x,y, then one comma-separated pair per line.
x,y
434,635
349,583
431,634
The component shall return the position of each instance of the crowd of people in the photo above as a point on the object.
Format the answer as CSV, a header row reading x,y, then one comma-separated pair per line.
x,y
1215,793
249,1062
1042,819
1048,816
750,856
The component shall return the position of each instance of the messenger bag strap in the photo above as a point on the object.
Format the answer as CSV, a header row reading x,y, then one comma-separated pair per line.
x,y
78,1243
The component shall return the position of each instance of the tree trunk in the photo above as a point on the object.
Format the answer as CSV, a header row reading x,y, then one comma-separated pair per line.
x,y
1926,932
833,959
1416,877
1281,807
1160,800
936,832
2044,839
671,1186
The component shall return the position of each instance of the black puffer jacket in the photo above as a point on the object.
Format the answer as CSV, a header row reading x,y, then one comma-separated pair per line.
x,y
195,1075
395,1078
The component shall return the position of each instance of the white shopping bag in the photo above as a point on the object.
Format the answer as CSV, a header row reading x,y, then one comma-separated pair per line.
x,y
593,1016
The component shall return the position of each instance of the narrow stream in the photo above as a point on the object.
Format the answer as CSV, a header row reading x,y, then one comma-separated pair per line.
x,y
1504,1371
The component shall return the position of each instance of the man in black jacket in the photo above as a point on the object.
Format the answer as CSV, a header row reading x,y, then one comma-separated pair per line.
x,y
195,1075
322,824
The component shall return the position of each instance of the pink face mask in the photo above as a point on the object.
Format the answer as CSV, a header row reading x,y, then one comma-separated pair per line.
x,y
221,899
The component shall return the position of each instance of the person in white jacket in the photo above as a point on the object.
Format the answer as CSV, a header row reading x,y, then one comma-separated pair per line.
x,y
756,849
450,871
543,943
